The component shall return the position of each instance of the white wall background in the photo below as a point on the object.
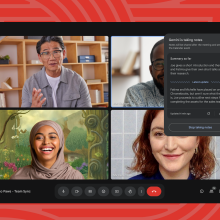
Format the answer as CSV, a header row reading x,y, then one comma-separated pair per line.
x,y
147,44
120,48
125,126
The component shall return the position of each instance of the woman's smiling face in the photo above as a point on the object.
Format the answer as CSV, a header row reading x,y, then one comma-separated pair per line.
x,y
173,153
46,144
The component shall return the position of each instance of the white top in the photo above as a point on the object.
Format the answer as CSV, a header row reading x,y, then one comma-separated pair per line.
x,y
54,85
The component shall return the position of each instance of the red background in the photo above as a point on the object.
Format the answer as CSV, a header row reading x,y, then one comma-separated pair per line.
x,y
109,11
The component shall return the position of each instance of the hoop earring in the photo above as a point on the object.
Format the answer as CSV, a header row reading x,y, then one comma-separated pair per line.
x,y
196,150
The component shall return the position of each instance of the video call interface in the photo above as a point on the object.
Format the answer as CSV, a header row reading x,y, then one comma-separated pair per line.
x,y
119,117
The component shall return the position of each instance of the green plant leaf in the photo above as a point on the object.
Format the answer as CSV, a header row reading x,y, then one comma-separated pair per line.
x,y
7,57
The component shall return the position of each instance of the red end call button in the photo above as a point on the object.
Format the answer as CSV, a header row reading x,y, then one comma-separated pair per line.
x,y
154,191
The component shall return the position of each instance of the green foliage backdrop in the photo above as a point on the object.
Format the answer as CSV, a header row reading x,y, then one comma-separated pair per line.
x,y
24,139
76,139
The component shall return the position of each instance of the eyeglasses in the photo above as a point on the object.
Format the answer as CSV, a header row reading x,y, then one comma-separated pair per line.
x,y
46,55
158,64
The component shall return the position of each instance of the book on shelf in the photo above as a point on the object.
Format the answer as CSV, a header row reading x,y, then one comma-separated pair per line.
x,y
93,80
2,100
95,95
88,38
128,65
33,37
105,96
65,60
34,62
86,58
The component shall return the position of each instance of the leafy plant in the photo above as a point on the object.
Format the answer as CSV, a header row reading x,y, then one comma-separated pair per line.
x,y
84,170
77,162
76,139
6,57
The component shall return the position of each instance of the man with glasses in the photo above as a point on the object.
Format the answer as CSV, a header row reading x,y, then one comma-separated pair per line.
x,y
151,93
54,85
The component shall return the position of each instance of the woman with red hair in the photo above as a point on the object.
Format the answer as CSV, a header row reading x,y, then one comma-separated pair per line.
x,y
158,156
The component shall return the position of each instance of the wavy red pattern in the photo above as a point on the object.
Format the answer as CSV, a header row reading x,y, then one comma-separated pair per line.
x,y
215,215
200,2
22,12
176,12
105,212
74,10
145,2
60,14
90,11
116,211
116,10
14,2
104,7
202,212
18,214
106,10
122,13
169,20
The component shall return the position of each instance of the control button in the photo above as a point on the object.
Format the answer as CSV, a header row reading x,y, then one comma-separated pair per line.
x,y
76,191
154,191
212,190
90,191
130,191
116,191
63,191
141,191
103,191
204,127
201,190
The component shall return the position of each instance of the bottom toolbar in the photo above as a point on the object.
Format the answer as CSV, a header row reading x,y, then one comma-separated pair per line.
x,y
69,191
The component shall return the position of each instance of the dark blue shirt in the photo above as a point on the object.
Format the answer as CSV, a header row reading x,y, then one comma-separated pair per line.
x,y
156,176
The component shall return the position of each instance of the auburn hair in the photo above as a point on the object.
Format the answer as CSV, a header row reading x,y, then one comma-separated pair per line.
x,y
202,164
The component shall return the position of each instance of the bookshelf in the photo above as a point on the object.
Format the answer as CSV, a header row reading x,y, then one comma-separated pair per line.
x,y
22,50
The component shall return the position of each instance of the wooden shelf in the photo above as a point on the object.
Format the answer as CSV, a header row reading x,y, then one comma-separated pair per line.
x,y
2,38
64,64
104,43
39,64
89,84
120,74
134,73
101,103
9,90
95,63
34,42
73,46
11,41
10,65
88,43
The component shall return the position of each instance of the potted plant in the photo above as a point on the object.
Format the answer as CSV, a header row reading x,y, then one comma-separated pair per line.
x,y
4,59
